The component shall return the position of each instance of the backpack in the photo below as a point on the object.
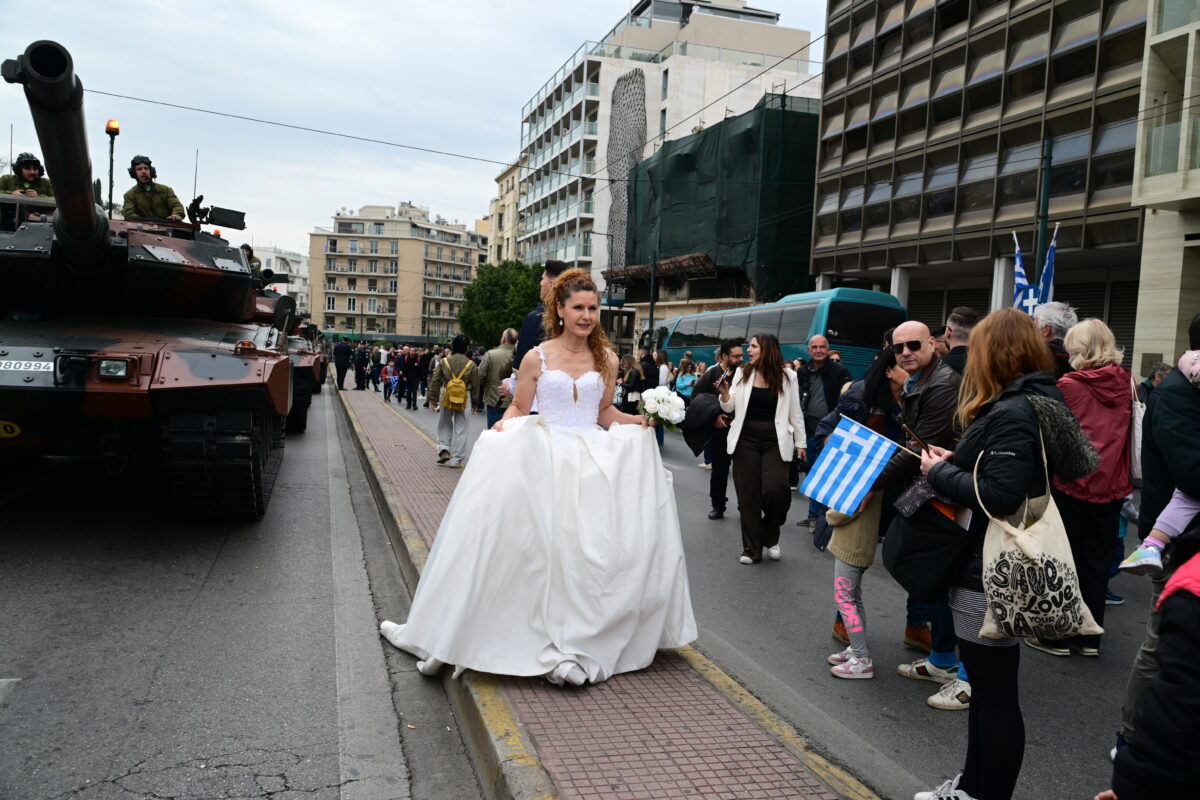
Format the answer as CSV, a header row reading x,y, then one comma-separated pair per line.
x,y
455,398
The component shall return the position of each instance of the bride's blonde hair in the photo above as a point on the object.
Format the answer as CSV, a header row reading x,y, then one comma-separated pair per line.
x,y
565,285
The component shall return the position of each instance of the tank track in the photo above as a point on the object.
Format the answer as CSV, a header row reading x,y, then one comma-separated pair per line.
x,y
302,387
223,465
320,382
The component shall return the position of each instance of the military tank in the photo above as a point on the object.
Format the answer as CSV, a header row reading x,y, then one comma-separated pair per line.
x,y
134,340
309,366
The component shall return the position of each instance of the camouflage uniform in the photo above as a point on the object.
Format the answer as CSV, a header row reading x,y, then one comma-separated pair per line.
x,y
152,200
10,183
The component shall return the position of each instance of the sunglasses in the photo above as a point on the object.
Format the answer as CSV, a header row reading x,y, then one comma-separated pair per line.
x,y
914,345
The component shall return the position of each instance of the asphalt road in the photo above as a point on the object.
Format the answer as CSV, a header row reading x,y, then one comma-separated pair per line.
x,y
147,655
769,626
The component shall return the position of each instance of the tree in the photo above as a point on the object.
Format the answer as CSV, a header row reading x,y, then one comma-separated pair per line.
x,y
499,297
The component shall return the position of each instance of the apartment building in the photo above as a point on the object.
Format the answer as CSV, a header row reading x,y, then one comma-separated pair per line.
x,y
392,273
1167,180
936,116
615,100
502,215
292,264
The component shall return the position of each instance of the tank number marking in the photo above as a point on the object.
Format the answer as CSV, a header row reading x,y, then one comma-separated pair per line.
x,y
28,366
9,429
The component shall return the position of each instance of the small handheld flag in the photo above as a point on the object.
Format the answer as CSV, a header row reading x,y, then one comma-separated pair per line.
x,y
1046,283
1025,295
853,457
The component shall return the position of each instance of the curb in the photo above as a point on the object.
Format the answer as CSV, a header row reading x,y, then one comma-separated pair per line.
x,y
507,762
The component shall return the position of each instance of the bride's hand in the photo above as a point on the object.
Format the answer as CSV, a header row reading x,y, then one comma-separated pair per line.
x,y
644,421
499,426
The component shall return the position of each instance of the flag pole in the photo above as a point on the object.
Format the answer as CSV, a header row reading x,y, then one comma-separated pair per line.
x,y
898,445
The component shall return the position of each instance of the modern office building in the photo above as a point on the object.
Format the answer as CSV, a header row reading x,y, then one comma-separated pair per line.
x,y
292,264
1167,181
935,116
502,216
616,99
392,273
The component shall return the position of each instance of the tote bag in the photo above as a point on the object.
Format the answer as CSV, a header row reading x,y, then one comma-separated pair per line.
x,y
1135,434
1029,574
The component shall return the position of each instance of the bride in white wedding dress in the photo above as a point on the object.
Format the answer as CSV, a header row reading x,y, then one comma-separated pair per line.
x,y
559,554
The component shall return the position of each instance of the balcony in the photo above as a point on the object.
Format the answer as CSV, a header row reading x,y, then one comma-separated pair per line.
x,y
441,276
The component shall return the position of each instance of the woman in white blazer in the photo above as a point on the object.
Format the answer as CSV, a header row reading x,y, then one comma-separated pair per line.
x,y
767,432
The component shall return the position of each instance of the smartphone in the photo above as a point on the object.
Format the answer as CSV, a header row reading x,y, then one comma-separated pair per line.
x,y
915,438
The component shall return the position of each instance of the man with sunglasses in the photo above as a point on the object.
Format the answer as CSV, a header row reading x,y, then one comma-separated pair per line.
x,y
930,399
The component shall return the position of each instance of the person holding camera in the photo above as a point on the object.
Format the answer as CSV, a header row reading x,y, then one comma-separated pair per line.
x,y
714,379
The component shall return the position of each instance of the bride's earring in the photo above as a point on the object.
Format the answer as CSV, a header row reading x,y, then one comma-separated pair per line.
x,y
560,322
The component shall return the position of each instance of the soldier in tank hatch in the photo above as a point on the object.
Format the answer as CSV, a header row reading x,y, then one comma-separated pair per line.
x,y
28,178
149,199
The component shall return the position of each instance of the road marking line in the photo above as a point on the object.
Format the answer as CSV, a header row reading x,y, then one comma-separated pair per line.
x,y
6,686
834,776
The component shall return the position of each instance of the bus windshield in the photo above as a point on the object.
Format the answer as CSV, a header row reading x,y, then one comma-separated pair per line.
x,y
860,325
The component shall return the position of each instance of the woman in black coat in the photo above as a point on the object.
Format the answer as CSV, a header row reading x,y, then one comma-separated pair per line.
x,y
1007,396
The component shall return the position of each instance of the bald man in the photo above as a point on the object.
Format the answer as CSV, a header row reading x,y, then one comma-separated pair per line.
x,y
820,383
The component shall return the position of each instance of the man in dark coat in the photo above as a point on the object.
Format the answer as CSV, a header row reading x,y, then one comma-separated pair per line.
x,y
959,324
342,353
1054,320
412,377
820,383
361,361
729,358
531,332
1170,461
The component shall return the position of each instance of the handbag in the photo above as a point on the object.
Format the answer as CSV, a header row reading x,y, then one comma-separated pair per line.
x,y
1135,434
925,552
1029,573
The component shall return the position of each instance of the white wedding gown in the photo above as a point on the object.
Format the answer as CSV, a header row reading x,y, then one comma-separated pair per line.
x,y
559,554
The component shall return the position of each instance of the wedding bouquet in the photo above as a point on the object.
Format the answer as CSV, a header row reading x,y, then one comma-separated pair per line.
x,y
663,406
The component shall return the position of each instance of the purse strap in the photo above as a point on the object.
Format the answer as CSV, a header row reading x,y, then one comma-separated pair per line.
x,y
975,479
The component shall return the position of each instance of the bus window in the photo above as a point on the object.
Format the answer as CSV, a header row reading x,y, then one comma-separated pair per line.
x,y
860,324
733,326
797,319
765,320
685,334
708,330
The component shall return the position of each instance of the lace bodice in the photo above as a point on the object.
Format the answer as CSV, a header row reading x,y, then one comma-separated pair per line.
x,y
561,400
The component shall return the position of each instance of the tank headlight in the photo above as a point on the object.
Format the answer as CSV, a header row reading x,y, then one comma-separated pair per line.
x,y
114,368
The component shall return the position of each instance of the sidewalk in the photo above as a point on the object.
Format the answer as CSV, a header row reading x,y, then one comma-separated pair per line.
x,y
680,729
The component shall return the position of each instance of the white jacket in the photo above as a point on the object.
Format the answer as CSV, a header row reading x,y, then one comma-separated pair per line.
x,y
789,422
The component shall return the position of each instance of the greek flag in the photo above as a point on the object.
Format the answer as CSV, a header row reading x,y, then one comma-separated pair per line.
x,y
1025,295
853,457
1046,284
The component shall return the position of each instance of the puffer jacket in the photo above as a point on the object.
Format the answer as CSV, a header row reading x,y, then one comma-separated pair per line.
x,y
1006,432
1102,400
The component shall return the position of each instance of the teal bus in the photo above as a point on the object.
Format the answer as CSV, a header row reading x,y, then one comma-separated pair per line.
x,y
854,321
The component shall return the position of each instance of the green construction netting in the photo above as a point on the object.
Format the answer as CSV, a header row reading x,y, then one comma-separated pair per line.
x,y
740,191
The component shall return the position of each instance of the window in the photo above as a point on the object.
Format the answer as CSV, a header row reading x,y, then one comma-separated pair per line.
x,y
765,321
352,264
351,303
354,246
330,303
331,264
685,334
977,183
352,284
378,228
860,324
662,122
1029,51
370,305
392,266
350,227
394,249
392,286
373,246
733,326
331,246
851,213
330,322
795,322
665,83
372,264
708,330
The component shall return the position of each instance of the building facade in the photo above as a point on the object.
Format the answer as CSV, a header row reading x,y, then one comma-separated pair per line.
x,y
392,273
1167,181
615,100
295,266
502,216
937,117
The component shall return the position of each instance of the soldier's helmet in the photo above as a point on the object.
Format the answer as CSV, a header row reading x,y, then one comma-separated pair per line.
x,y
142,160
25,160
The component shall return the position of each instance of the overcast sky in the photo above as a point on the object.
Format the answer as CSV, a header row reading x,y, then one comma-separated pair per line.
x,y
448,75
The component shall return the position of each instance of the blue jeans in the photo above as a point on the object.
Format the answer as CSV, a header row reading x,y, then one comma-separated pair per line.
x,y
941,621
493,415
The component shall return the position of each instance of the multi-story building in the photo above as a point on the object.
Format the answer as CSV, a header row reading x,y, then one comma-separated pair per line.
x,y
935,118
292,264
392,273
502,215
1167,179
616,99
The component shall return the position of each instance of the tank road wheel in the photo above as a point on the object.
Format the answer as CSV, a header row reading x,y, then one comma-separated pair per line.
x,y
297,418
319,382
223,465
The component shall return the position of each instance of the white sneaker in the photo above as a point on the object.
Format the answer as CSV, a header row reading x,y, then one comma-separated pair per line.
x,y
702,465
922,670
745,560
854,669
773,553
840,657
953,696
947,791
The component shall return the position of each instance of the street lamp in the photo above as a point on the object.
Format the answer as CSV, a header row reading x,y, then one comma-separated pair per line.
x,y
113,129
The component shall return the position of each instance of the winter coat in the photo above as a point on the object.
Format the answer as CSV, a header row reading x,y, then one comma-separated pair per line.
x,y
1006,432
1170,446
829,379
956,358
11,183
151,201
856,538
1062,359
1102,400
1163,759
929,408
342,353
530,335
495,367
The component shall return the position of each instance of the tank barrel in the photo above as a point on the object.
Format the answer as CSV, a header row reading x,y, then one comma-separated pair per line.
x,y
55,97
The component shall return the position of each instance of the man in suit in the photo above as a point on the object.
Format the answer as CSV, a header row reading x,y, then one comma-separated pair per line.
x,y
361,361
412,377
531,328
729,358
342,352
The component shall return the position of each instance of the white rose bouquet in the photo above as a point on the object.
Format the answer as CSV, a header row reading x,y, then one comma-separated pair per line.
x,y
663,406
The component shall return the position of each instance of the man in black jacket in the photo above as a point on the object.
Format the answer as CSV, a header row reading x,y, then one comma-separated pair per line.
x,y
342,353
959,324
820,383
1054,320
1170,461
412,377
729,358
649,369
361,361
531,328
